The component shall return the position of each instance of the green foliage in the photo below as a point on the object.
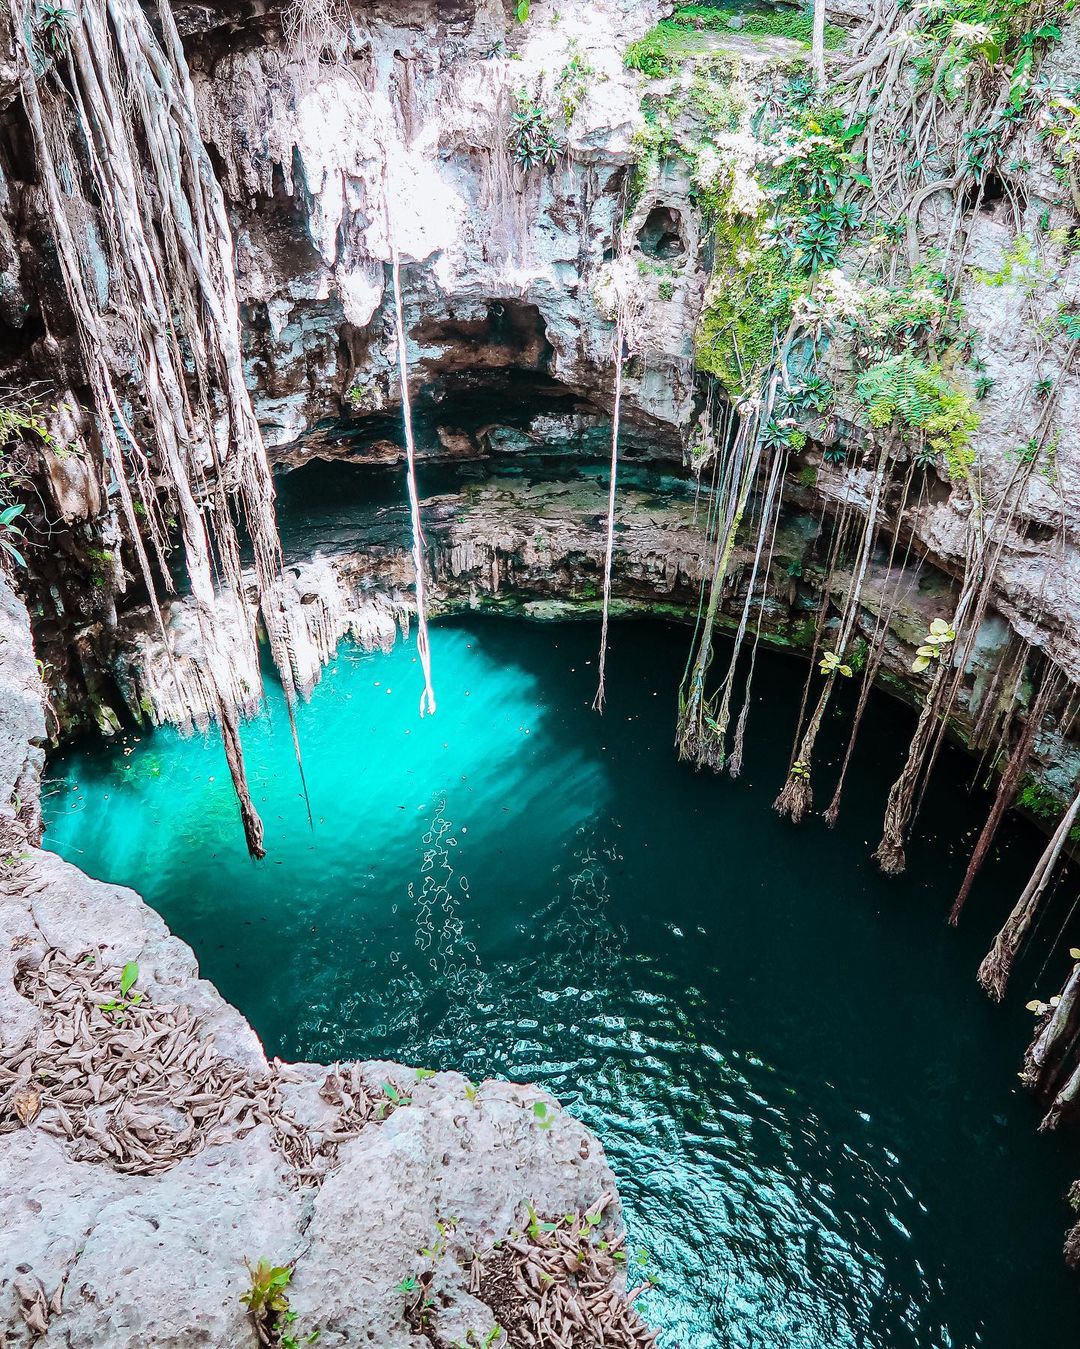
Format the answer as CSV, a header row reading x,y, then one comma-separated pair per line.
x,y
1020,266
532,139
796,24
267,1292
20,417
396,1097
573,81
748,305
1040,801
127,1001
10,530
655,54
919,399
53,29
933,645
521,11
831,664
964,40
267,1301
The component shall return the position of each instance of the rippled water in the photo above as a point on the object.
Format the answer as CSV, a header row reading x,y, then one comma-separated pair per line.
x,y
811,1109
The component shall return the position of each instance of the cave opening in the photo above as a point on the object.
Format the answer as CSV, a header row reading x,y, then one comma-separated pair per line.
x,y
661,236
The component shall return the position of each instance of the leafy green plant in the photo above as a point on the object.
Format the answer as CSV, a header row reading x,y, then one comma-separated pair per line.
x,y
933,644
267,1298
532,140
654,54
1038,800
53,28
572,83
542,1114
919,398
124,1003
860,650
831,664
794,24
10,530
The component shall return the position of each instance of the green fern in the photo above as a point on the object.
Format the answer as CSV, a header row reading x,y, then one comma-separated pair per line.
x,y
906,392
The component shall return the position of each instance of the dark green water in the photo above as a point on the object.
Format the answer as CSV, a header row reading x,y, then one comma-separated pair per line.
x,y
811,1109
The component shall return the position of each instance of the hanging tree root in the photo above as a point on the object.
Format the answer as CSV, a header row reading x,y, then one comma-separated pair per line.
x,y
609,547
117,141
1006,793
1048,1054
997,964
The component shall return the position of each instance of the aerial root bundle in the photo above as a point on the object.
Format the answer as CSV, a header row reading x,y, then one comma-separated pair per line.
x,y
118,144
997,964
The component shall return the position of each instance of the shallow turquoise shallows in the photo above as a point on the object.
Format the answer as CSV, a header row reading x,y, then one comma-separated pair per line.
x,y
811,1109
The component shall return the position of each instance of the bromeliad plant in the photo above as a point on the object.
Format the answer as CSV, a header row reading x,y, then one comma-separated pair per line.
x,y
53,29
933,644
532,140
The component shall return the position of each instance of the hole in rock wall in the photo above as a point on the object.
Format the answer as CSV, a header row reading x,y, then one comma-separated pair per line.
x,y
661,235
987,195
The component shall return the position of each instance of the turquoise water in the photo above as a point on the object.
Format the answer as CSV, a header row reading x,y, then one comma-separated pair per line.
x,y
812,1111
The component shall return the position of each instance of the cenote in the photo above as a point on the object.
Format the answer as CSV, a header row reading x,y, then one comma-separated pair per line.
x,y
801,1090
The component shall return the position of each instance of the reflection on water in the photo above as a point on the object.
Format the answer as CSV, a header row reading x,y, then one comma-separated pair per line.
x,y
810,1108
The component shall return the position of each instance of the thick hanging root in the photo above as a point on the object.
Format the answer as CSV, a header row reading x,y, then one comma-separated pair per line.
x,y
889,853
1065,1105
609,554
797,796
118,142
695,739
997,965
1006,795
1072,1239
1049,1052
427,697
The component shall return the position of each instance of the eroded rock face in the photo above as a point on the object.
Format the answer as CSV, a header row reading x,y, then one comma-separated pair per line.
x,y
404,146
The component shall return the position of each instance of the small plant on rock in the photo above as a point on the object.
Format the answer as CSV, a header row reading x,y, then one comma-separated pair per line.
x,y
532,140
934,643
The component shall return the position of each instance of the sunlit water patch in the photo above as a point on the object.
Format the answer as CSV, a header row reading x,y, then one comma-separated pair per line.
x,y
811,1110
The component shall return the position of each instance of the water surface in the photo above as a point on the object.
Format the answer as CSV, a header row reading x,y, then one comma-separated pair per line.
x,y
812,1112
